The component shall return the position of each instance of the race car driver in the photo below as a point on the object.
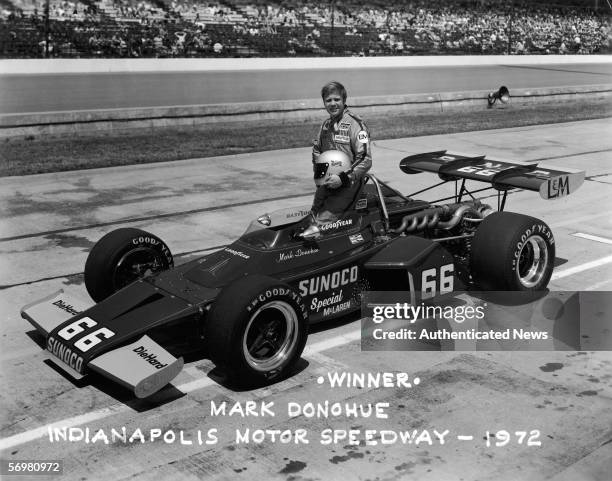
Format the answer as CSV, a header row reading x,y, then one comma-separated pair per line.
x,y
346,132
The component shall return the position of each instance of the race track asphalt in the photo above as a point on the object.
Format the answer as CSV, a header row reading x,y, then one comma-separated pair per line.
x,y
50,222
67,92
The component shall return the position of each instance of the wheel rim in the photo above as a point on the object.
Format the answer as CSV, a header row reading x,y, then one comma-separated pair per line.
x,y
136,264
533,260
270,336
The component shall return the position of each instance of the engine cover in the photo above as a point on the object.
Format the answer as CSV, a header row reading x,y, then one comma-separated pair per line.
x,y
414,264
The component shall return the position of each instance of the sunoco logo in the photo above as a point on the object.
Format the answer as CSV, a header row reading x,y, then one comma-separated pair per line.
x,y
326,282
149,357
65,354
66,307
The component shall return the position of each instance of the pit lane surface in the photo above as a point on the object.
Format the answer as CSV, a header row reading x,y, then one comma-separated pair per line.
x,y
51,220
68,92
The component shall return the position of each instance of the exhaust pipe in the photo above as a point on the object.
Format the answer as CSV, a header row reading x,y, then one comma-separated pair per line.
x,y
455,219
430,218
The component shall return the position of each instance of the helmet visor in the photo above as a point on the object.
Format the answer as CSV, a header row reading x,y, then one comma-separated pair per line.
x,y
320,169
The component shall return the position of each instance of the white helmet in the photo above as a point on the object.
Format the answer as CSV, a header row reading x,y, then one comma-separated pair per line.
x,y
330,162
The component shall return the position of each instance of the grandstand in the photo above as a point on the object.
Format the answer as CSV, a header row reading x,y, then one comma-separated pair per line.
x,y
238,28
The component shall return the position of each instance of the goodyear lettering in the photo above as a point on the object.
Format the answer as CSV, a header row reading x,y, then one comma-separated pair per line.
x,y
343,139
264,296
336,224
144,240
274,292
149,357
66,307
521,244
535,229
333,280
65,354
137,241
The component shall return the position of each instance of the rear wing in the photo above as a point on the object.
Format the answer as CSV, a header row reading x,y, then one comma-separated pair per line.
x,y
550,182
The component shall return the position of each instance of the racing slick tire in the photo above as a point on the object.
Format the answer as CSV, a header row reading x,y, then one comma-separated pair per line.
x,y
122,257
256,330
512,252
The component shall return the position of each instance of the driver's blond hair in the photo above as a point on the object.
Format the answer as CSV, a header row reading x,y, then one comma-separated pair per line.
x,y
333,87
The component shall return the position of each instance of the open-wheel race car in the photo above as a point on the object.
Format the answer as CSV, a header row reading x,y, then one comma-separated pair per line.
x,y
250,304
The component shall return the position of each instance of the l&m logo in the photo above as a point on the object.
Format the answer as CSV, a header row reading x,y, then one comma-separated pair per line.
x,y
558,187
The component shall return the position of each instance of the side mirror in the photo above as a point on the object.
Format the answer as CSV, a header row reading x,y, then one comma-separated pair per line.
x,y
503,95
264,220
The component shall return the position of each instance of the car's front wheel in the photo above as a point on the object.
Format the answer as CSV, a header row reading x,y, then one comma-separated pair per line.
x,y
121,257
512,252
256,329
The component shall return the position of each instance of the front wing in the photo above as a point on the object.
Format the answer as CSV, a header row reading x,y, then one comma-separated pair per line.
x,y
143,366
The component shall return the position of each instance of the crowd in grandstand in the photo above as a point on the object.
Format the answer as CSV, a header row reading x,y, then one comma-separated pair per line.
x,y
188,28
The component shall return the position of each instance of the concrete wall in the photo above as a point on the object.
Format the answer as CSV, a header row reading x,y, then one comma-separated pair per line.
x,y
34,66
61,123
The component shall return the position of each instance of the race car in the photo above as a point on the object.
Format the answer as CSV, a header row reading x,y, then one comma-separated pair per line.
x,y
250,304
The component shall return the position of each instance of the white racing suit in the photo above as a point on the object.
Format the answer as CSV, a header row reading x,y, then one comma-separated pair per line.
x,y
351,136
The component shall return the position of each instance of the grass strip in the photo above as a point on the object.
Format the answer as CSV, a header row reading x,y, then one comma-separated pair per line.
x,y
137,146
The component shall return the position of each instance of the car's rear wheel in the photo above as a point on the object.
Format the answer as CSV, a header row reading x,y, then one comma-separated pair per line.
x,y
256,329
122,257
512,252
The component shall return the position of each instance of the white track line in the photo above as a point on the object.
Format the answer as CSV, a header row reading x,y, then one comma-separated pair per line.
x,y
333,342
598,285
578,220
603,240
33,434
582,267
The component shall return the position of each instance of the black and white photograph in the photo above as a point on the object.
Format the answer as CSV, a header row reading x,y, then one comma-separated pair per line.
x,y
306,240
